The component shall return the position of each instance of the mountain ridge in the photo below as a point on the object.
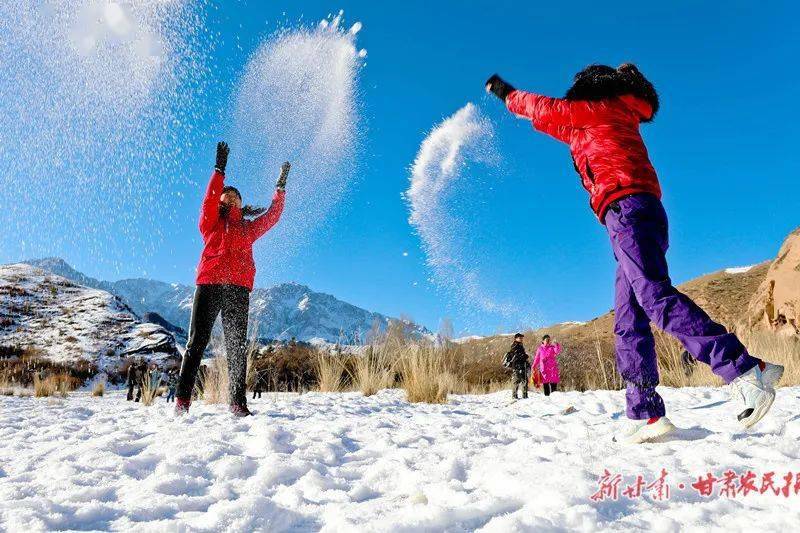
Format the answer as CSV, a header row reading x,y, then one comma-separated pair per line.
x,y
283,311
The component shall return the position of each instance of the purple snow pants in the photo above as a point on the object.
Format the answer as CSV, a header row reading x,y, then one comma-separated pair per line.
x,y
637,225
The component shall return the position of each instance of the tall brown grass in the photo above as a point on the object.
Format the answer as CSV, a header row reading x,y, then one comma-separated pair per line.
x,y
216,381
329,369
425,374
53,385
99,389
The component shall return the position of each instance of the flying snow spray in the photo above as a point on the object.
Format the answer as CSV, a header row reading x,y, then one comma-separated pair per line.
x,y
98,101
446,178
296,101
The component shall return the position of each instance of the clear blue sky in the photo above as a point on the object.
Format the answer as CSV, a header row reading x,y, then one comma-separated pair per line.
x,y
724,145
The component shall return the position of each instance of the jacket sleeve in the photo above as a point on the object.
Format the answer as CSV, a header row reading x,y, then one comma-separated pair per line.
x,y
553,116
262,224
209,212
537,359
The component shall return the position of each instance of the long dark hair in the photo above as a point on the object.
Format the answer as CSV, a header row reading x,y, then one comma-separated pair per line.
x,y
598,82
248,211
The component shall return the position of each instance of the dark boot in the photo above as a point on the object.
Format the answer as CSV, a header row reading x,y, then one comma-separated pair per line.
x,y
182,406
239,410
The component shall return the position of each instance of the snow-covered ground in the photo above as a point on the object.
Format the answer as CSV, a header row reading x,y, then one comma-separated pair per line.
x,y
342,462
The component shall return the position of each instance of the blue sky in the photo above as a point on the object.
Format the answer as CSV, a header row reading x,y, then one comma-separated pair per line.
x,y
724,145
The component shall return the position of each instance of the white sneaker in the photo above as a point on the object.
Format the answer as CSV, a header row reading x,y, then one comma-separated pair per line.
x,y
771,374
645,430
755,395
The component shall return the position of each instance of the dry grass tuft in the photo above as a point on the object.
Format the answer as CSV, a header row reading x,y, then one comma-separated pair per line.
x,y
99,389
216,381
329,369
425,374
150,390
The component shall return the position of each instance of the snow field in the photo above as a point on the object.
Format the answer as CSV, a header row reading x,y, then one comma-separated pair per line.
x,y
343,462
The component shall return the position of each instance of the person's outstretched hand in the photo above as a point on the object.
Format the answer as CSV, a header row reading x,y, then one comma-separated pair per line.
x,y
498,86
281,185
222,156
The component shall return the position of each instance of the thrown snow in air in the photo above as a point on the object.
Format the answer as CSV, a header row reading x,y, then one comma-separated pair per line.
x,y
98,101
345,462
297,102
447,157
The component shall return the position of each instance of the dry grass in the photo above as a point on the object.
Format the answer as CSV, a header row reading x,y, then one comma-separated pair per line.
x,y
216,381
777,349
329,369
375,370
99,389
53,385
425,374
150,390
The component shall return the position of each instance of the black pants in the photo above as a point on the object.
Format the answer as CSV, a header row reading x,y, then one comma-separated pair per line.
x,y
131,387
520,378
549,387
233,302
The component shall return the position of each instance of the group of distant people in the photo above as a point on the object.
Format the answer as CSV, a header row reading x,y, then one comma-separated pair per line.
x,y
140,374
543,371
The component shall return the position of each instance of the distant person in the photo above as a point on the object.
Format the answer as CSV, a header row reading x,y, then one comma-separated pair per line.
x,y
135,375
172,384
260,383
545,363
599,118
224,280
517,360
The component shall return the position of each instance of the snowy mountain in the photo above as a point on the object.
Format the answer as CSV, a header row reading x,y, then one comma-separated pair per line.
x,y
64,322
280,312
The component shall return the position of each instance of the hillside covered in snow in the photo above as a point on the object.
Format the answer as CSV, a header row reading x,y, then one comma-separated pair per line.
x,y
280,312
62,321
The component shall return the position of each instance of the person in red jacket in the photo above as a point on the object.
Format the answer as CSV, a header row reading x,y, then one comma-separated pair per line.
x,y
599,119
225,278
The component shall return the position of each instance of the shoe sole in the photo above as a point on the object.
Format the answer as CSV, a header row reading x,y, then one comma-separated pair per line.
x,y
761,411
651,432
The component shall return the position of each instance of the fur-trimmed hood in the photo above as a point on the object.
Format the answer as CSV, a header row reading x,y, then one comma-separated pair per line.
x,y
599,82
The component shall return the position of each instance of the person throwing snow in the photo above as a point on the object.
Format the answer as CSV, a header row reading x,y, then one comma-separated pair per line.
x,y
599,118
224,280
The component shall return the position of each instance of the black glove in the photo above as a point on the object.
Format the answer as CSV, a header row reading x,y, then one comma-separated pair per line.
x,y
222,156
498,87
281,185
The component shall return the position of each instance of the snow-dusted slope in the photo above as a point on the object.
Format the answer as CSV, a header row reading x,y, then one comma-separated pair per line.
x,y
343,462
65,321
281,312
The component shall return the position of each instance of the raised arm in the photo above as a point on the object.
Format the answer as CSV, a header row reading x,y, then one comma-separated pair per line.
x,y
264,223
209,211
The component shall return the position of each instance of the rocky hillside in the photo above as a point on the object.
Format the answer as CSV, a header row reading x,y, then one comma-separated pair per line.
x,y
280,312
63,322
775,305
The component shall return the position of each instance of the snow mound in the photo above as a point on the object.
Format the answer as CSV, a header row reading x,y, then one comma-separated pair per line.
x,y
343,462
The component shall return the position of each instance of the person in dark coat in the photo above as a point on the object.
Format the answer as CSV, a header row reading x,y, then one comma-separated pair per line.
x,y
135,374
260,383
517,360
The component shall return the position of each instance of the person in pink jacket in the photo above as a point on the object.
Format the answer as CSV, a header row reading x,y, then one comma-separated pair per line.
x,y
545,361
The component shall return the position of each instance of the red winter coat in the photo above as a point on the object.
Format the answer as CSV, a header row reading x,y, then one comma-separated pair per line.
x,y
228,242
603,136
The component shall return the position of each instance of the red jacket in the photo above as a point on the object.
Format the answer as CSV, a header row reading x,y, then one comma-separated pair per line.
x,y
228,242
603,136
